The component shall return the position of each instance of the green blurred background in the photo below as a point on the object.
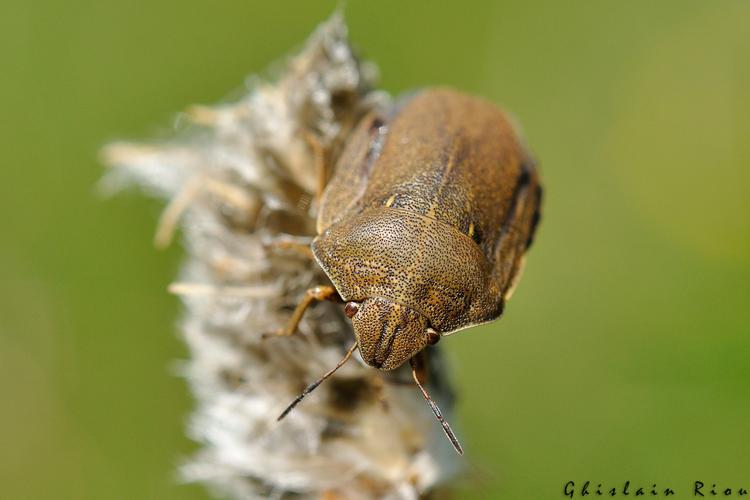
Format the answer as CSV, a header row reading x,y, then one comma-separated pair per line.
x,y
623,355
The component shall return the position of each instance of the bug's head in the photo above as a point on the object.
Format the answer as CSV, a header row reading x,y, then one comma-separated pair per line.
x,y
388,333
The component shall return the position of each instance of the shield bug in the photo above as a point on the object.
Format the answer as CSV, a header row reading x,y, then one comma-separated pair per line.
x,y
423,227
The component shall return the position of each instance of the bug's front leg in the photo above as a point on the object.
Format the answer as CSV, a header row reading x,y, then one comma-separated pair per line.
x,y
315,294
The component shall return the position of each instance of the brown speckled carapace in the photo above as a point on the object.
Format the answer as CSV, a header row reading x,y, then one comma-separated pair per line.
x,y
423,227
425,221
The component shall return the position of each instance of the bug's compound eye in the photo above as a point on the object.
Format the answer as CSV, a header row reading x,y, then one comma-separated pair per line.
x,y
433,337
351,308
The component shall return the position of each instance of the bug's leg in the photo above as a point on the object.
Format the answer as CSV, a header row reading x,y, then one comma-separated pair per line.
x,y
419,373
315,294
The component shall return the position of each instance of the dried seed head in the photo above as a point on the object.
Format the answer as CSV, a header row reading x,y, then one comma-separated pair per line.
x,y
240,178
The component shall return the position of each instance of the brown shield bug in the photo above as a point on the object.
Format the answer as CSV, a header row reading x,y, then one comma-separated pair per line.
x,y
423,227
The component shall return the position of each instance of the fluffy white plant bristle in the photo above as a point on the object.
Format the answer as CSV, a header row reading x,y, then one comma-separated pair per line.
x,y
238,178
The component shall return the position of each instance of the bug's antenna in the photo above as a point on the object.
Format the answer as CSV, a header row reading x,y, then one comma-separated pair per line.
x,y
315,384
438,414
